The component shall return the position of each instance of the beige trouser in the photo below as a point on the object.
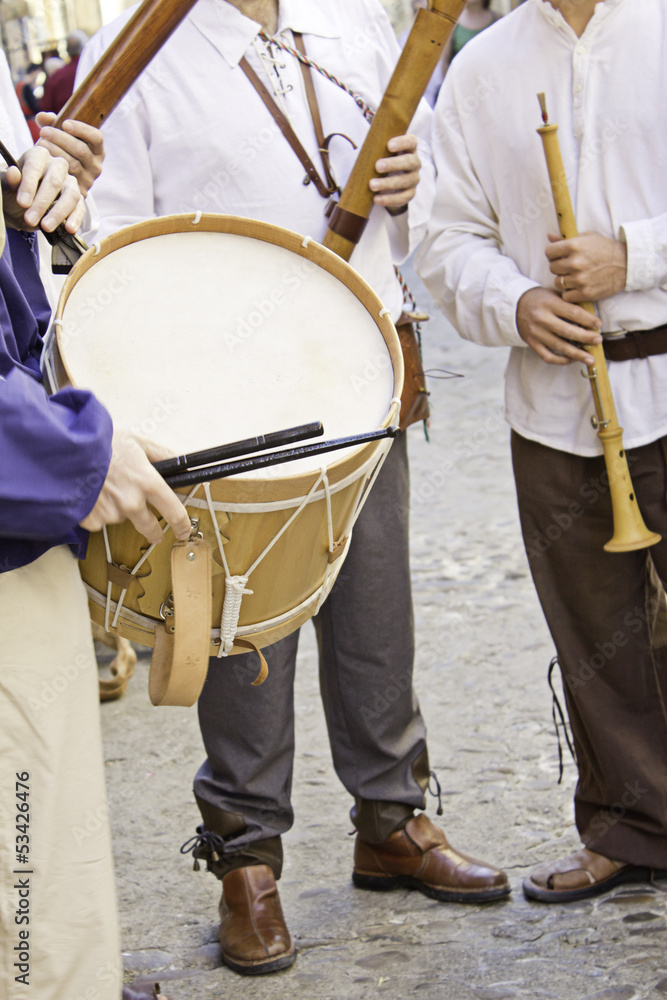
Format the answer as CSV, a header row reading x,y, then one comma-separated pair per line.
x,y
50,729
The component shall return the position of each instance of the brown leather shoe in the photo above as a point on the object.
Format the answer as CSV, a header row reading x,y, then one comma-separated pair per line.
x,y
253,934
582,875
419,857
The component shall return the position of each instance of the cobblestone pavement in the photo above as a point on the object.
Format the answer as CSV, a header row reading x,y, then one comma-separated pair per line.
x,y
483,652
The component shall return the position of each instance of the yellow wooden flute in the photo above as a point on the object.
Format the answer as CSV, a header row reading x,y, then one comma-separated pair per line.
x,y
630,532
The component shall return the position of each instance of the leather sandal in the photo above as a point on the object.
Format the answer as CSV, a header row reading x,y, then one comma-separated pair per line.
x,y
420,857
583,875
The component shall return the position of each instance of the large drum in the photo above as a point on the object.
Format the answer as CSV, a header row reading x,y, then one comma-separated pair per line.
x,y
198,330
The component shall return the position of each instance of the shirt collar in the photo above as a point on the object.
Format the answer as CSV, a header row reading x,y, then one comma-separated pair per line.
x,y
231,32
557,19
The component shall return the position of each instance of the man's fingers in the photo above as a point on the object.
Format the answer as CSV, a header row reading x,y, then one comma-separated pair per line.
x,y
559,247
13,178
403,143
79,146
546,354
146,524
406,163
33,166
395,182
170,507
44,186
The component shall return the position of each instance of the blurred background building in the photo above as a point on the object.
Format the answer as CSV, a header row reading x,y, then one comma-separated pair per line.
x,y
34,30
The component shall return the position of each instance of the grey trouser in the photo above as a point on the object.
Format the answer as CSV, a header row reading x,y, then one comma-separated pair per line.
x,y
376,732
608,618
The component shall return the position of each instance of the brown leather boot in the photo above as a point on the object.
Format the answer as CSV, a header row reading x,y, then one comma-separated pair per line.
x,y
419,857
253,934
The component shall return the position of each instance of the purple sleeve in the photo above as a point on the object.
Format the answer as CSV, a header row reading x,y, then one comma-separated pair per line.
x,y
54,456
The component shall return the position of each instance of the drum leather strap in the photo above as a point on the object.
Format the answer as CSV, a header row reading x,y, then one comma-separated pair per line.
x,y
327,187
414,398
180,658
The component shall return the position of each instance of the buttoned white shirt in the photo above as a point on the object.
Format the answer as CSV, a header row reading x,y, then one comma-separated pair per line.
x,y
193,134
607,91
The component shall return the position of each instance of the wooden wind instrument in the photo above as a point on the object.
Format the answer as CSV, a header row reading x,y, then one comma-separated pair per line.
x,y
423,48
130,52
630,532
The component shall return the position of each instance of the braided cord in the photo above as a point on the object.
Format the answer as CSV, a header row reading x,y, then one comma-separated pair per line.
x,y
369,113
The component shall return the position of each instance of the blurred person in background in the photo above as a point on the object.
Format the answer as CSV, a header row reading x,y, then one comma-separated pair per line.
x,y
475,17
25,92
60,84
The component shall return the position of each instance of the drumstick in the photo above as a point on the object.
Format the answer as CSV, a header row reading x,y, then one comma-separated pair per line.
x,y
237,448
205,475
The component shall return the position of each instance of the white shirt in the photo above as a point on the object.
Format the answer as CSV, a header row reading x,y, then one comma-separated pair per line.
x,y
14,130
193,134
607,91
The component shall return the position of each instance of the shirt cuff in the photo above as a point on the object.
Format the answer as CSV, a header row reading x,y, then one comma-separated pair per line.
x,y
647,256
512,292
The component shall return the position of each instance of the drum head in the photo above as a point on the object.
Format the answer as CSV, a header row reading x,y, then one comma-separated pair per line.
x,y
195,338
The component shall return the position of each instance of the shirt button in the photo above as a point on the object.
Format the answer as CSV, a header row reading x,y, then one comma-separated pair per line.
x,y
577,88
581,50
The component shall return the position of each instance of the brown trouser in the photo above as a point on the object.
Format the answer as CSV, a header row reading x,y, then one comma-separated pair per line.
x,y
608,619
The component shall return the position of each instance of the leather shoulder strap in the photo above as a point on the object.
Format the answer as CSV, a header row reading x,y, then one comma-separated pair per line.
x,y
315,112
326,190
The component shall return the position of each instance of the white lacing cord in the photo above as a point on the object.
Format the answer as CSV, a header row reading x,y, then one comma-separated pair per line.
x,y
327,490
107,607
235,586
328,571
272,66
